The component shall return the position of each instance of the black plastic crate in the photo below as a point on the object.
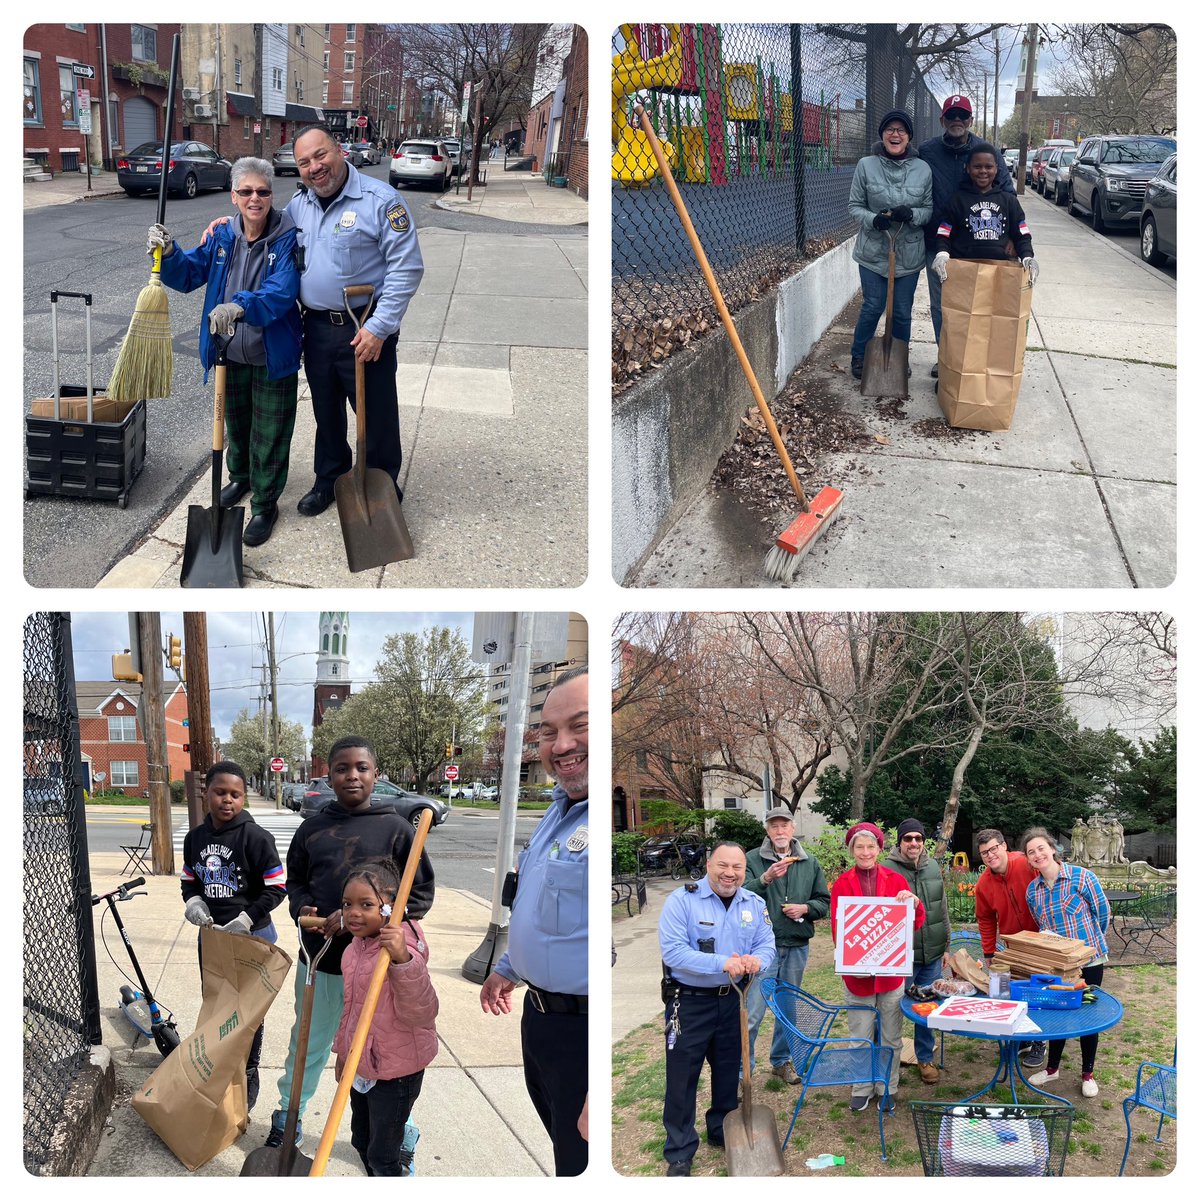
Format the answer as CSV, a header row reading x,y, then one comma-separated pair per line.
x,y
99,461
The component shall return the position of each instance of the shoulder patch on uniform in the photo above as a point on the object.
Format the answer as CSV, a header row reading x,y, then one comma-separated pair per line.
x,y
397,216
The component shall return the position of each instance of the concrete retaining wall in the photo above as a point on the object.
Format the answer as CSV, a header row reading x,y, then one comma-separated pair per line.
x,y
670,429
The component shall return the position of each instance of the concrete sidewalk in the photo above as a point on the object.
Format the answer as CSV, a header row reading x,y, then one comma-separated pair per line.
x,y
1080,492
492,385
638,970
474,1114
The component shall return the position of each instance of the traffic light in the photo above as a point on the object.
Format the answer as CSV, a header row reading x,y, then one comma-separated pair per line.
x,y
458,752
174,652
122,668
449,749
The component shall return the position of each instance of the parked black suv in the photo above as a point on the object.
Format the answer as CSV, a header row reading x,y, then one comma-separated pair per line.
x,y
1110,173
680,854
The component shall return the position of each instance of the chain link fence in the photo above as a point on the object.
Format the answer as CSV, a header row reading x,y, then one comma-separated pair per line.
x,y
62,1007
762,126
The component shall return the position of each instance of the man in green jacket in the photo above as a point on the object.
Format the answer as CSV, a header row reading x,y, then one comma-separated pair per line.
x,y
930,943
793,885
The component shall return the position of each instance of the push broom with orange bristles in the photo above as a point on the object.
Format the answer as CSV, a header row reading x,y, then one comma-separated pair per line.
x,y
783,559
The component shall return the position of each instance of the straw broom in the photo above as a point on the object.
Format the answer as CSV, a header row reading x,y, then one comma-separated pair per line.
x,y
144,364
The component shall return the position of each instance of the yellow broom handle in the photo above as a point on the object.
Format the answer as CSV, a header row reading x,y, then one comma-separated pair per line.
x,y
321,1157
157,268
719,301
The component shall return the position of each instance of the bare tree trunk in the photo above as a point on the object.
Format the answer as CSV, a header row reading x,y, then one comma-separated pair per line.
x,y
950,813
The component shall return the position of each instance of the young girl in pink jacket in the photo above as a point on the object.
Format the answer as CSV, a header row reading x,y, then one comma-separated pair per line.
x,y
403,1038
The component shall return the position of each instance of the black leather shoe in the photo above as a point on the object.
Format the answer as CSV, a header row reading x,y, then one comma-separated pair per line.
x,y
314,503
933,374
673,1169
259,527
232,492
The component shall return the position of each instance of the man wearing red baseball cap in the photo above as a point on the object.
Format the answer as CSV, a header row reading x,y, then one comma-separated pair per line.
x,y
947,156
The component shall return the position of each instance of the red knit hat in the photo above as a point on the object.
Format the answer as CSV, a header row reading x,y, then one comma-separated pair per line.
x,y
864,827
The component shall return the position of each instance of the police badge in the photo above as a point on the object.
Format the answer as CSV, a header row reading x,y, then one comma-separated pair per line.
x,y
578,840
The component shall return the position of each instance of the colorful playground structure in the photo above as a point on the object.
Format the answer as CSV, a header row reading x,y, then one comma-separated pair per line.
x,y
716,119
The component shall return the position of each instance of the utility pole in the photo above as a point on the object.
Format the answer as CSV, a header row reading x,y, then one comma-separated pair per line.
x,y
996,94
154,729
474,174
259,66
276,776
200,738
1026,102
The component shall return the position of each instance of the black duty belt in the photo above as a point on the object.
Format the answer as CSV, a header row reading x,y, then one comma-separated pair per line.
x,y
684,990
557,1002
331,316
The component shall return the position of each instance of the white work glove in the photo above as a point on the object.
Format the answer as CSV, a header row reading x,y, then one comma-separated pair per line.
x,y
239,924
157,238
197,912
1030,264
223,317
940,259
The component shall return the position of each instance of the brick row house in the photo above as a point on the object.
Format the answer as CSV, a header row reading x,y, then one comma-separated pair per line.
x,y
112,741
557,126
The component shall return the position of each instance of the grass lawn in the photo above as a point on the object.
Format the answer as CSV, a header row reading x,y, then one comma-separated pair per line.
x,y
1147,1033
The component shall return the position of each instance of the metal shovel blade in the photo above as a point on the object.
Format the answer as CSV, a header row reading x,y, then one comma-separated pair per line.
x,y
271,1161
373,527
752,1142
210,562
885,369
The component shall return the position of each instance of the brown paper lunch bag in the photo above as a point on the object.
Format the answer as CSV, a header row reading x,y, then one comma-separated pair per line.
x,y
981,356
196,1099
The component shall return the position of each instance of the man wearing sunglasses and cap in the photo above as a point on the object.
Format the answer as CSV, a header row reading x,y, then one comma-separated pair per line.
x,y
930,943
947,156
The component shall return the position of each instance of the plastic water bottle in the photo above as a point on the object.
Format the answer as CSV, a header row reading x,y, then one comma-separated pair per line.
x,y
824,1160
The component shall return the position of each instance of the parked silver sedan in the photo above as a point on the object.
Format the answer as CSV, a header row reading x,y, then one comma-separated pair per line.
x,y
369,151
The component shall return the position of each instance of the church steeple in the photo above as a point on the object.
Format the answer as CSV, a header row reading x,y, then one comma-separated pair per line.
x,y
333,662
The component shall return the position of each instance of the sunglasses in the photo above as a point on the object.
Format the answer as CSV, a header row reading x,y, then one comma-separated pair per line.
x,y
957,114
912,837
246,193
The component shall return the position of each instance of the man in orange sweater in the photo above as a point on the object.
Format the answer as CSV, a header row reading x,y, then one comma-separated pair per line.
x,y
1001,908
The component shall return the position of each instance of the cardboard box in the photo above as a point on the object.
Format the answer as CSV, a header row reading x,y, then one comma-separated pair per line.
x,y
981,355
978,1014
975,1146
104,410
874,936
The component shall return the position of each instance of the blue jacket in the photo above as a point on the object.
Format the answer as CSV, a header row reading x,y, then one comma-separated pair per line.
x,y
273,306
949,166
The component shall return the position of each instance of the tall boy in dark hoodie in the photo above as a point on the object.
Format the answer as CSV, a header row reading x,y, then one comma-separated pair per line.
x,y
345,834
232,876
981,219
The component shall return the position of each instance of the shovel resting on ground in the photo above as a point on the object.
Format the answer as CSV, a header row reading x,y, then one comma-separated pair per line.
x,y
373,527
751,1136
212,548
885,364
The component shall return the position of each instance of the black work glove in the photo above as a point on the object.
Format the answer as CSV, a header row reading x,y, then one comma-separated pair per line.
x,y
901,212
881,223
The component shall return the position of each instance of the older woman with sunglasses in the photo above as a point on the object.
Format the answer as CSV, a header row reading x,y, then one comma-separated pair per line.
x,y
253,283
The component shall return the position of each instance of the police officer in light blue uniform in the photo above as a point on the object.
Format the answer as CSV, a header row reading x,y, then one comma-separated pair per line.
x,y
353,229
548,933
708,931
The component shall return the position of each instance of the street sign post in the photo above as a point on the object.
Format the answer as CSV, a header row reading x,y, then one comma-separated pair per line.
x,y
451,773
277,765
361,122
83,71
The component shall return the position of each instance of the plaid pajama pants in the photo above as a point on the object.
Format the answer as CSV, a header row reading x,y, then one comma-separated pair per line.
x,y
260,414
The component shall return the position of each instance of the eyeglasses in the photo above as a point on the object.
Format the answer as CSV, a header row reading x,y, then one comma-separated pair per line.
x,y
990,851
912,837
246,193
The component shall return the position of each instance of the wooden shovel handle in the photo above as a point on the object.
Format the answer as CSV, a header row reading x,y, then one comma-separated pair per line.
x,y
714,290
350,1067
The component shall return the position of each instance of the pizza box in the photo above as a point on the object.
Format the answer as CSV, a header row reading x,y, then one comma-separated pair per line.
x,y
979,1014
979,1145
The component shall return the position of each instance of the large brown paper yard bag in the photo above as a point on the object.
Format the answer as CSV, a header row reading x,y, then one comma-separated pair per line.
x,y
196,1100
981,356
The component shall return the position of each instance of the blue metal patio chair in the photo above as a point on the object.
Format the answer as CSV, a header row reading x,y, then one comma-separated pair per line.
x,y
1155,1090
823,1061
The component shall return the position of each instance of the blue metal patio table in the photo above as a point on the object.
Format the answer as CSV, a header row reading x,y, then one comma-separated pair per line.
x,y
1056,1024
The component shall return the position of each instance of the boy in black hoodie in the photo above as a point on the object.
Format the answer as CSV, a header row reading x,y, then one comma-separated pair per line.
x,y
232,876
981,219
343,835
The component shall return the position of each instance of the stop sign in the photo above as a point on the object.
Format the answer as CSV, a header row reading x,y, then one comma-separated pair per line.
x,y
361,122
277,764
451,772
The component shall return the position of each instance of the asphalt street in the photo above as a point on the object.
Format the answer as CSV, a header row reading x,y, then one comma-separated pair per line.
x,y
463,850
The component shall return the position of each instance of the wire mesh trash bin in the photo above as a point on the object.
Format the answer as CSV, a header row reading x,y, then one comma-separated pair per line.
x,y
992,1139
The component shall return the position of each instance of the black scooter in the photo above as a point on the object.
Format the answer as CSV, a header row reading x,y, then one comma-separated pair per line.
x,y
140,1008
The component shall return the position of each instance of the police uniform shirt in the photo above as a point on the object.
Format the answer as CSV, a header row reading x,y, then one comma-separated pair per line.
x,y
548,929
366,235
692,917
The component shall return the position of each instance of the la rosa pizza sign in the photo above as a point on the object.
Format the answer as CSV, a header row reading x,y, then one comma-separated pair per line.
x,y
874,936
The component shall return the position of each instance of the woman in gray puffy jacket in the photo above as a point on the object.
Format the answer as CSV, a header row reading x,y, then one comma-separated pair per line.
x,y
891,187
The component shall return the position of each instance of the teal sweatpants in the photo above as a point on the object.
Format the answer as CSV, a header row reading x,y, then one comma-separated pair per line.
x,y
326,1016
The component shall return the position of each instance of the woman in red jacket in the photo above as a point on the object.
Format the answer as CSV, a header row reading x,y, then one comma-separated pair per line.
x,y
881,992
